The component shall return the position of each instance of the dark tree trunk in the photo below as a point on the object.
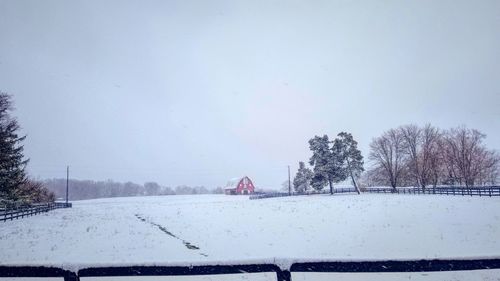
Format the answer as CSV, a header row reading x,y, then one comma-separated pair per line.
x,y
355,184
394,189
352,177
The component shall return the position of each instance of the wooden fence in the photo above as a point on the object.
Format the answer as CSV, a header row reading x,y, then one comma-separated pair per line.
x,y
370,268
449,190
11,213
285,194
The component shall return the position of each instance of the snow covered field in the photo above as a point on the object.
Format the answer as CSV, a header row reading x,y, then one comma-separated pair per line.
x,y
217,228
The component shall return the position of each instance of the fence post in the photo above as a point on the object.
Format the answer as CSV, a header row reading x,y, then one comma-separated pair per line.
x,y
284,275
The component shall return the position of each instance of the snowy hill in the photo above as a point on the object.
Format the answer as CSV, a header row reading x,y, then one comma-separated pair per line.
x,y
208,228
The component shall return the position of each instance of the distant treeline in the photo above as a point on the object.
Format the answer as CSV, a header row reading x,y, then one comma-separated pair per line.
x,y
88,189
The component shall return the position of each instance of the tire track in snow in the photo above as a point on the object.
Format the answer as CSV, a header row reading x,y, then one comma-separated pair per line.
x,y
188,245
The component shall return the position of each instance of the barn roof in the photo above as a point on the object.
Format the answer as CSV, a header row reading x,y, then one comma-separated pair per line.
x,y
232,183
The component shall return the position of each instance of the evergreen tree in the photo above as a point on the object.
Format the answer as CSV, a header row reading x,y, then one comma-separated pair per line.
x,y
318,181
351,156
339,172
12,162
319,160
302,179
327,163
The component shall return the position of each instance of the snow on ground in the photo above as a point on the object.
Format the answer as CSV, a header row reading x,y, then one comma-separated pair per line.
x,y
219,228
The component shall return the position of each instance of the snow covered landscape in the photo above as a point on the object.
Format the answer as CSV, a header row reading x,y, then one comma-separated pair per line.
x,y
193,140
211,229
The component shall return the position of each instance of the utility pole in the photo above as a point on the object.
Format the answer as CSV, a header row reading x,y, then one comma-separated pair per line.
x,y
289,185
67,183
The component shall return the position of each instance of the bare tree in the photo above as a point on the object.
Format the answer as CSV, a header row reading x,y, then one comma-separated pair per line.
x,y
421,146
487,169
430,171
32,191
467,160
412,142
388,153
411,155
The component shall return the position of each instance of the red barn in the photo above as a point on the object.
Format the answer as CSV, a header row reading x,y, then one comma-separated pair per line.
x,y
242,186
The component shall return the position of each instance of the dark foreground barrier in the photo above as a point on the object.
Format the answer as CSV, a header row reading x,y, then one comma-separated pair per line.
x,y
281,274
30,210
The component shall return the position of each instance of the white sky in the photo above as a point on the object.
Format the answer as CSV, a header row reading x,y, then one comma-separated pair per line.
x,y
198,92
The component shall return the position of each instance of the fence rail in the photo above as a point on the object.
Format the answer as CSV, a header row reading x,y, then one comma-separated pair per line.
x,y
451,190
282,274
285,194
26,211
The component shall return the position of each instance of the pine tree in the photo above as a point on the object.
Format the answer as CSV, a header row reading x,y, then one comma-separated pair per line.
x,y
351,156
12,162
319,160
318,181
302,179
327,163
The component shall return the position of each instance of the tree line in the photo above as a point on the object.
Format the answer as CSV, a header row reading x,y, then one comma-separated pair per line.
x,y
406,156
88,189
421,156
14,182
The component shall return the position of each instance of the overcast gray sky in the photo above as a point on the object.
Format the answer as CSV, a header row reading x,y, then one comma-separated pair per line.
x,y
197,92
